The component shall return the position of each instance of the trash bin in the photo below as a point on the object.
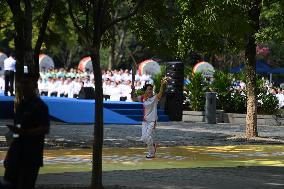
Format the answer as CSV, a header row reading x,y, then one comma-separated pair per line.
x,y
210,108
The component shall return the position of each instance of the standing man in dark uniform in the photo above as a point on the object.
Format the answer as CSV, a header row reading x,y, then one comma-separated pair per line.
x,y
9,72
25,155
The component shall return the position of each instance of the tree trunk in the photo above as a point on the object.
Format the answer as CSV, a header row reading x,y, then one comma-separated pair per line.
x,y
98,18
28,37
19,24
98,126
251,118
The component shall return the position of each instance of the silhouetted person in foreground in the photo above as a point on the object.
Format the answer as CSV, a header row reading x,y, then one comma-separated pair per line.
x,y
25,155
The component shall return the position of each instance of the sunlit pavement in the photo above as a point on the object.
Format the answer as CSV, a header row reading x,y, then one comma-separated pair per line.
x,y
78,160
192,155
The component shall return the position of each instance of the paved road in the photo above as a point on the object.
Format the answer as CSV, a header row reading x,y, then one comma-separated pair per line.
x,y
168,134
199,178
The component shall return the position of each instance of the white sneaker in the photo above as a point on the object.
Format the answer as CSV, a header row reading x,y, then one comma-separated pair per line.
x,y
150,155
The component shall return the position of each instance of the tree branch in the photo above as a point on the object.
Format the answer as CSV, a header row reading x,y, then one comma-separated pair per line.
x,y
86,11
83,31
45,18
74,20
131,13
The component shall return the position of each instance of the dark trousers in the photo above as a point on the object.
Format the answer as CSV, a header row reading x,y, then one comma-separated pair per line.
x,y
123,98
22,177
53,94
43,93
9,82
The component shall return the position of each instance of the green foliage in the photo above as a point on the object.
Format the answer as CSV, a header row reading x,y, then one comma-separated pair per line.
x,y
260,87
188,71
156,27
269,104
197,88
271,22
240,76
157,79
139,92
212,26
221,84
271,33
6,28
238,103
228,99
61,42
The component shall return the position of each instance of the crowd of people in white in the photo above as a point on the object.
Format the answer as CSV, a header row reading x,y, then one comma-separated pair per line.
x,y
63,83
116,84
279,93
239,87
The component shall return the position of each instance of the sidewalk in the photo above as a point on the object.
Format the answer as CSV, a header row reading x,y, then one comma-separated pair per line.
x,y
198,178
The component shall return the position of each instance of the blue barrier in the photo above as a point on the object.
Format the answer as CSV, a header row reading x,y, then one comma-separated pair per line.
x,y
80,111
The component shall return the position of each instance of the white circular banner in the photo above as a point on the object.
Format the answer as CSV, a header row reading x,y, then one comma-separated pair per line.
x,y
85,64
45,62
149,67
205,68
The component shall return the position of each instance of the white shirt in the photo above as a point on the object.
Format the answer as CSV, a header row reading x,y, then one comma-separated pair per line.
x,y
117,77
115,93
52,87
280,98
107,89
126,91
42,86
10,64
77,88
126,77
61,88
69,87
150,108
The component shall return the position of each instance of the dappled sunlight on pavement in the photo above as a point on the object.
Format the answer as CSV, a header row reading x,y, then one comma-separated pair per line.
x,y
80,160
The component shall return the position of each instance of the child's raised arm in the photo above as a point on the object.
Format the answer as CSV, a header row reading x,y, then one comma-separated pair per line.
x,y
164,81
